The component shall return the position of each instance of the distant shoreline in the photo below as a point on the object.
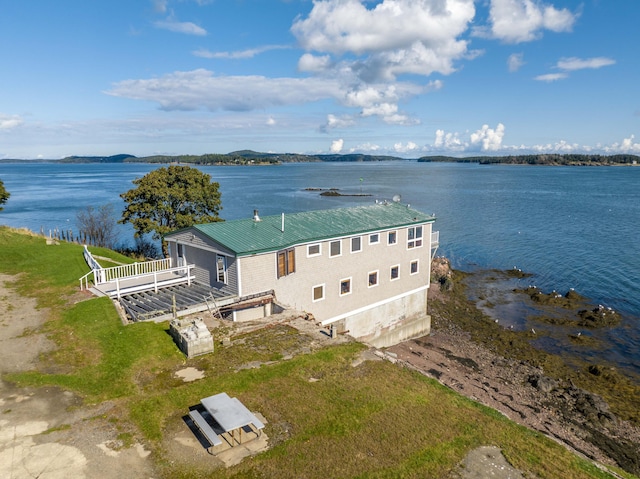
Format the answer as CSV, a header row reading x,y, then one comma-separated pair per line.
x,y
253,158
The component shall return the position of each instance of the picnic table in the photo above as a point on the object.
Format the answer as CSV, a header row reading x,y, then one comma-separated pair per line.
x,y
231,415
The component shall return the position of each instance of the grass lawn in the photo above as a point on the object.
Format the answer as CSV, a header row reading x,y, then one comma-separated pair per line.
x,y
325,417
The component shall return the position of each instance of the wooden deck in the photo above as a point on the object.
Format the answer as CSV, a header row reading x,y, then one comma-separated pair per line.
x,y
188,299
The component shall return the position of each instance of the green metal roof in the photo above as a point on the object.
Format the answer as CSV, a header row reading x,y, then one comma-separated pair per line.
x,y
246,236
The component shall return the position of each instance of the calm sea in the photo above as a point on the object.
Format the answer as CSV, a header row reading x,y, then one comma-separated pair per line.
x,y
572,227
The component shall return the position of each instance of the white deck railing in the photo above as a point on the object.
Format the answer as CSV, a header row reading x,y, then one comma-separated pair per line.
x,y
148,281
153,273
435,238
106,275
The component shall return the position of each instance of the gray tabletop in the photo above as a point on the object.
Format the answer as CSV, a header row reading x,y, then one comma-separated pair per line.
x,y
229,412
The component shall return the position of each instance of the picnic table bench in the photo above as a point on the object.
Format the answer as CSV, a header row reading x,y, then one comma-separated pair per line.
x,y
204,427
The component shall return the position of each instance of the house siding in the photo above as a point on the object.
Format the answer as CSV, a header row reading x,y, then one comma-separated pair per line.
x,y
201,252
295,290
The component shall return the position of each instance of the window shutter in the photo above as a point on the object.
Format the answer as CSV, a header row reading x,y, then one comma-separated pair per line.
x,y
282,259
291,261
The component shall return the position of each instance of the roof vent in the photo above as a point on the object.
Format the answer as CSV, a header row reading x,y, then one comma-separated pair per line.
x,y
255,215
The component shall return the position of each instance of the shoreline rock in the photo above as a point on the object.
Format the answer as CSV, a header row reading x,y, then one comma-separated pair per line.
x,y
561,397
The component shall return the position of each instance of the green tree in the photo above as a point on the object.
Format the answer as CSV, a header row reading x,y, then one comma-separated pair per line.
x,y
4,195
171,198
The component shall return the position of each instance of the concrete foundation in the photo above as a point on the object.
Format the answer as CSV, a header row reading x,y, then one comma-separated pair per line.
x,y
191,336
390,323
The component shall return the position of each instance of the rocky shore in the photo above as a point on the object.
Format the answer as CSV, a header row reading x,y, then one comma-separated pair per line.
x,y
590,408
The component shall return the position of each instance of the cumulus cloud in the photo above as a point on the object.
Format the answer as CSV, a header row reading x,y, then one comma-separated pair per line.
x,y
200,89
173,25
391,38
515,62
516,21
336,145
628,145
409,147
240,54
487,138
8,122
448,141
314,63
366,147
382,99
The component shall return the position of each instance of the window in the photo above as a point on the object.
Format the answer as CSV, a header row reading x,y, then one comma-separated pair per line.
x,y
345,286
392,237
374,238
286,262
414,267
414,237
335,248
356,244
221,266
314,250
318,293
373,278
395,272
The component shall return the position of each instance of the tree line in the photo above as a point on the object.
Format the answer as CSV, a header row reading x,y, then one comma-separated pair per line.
x,y
551,159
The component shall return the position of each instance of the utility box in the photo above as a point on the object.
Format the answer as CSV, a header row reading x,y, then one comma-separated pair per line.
x,y
191,336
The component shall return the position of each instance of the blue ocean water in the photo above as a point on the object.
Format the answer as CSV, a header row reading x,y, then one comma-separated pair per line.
x,y
572,227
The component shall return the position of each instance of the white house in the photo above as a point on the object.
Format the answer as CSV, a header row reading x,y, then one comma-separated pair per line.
x,y
363,270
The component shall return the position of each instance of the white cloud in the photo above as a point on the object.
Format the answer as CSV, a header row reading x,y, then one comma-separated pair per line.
x,y
391,38
516,21
382,100
337,122
366,148
340,26
573,63
627,146
448,141
487,138
515,62
408,148
240,54
172,25
8,122
336,145
200,89
314,63
551,77
271,121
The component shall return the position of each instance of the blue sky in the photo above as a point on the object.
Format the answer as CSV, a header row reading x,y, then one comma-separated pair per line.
x,y
399,77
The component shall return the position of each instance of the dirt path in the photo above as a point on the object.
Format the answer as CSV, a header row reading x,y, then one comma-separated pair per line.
x,y
46,432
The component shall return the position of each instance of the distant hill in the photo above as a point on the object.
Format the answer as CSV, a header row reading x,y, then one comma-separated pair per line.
x,y
97,159
249,157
